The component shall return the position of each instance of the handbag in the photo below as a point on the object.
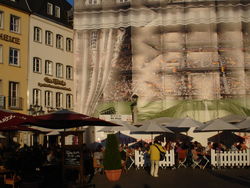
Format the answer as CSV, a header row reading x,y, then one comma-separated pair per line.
x,y
162,154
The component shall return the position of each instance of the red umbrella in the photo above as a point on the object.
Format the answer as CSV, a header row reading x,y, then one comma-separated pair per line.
x,y
13,121
63,119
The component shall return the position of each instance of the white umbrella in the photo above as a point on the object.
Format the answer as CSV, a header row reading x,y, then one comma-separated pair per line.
x,y
150,127
233,118
159,121
184,123
125,126
244,124
55,132
217,125
2,136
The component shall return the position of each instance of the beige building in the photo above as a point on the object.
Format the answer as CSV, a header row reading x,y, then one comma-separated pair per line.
x,y
51,65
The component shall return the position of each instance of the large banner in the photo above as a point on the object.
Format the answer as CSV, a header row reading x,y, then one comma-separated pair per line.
x,y
179,58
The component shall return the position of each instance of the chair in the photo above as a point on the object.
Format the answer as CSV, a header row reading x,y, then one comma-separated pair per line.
x,y
11,179
206,161
97,166
182,157
196,161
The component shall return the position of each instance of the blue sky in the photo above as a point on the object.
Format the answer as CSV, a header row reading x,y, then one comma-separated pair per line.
x,y
70,1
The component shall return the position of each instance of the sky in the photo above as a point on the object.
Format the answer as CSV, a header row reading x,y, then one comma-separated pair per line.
x,y
70,1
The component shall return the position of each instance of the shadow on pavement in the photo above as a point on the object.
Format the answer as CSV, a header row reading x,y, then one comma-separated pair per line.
x,y
231,179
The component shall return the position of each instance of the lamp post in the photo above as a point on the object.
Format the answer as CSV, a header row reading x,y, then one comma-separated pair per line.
x,y
133,107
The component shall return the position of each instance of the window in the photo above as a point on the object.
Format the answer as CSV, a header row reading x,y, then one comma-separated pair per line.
x,y
69,72
59,41
49,38
49,9
36,98
69,45
48,99
1,20
14,57
93,2
48,67
122,1
37,34
13,94
59,70
59,100
1,53
69,101
57,12
93,40
14,24
37,64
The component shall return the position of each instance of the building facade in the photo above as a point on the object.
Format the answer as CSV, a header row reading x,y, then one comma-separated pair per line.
x,y
180,57
50,57
36,58
14,36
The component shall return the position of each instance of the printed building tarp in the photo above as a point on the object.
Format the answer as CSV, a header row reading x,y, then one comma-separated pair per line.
x,y
180,57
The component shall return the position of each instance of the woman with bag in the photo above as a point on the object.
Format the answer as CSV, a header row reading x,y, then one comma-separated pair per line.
x,y
154,152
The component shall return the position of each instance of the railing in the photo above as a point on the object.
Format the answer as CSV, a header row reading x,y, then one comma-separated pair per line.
x,y
142,159
230,158
2,102
15,102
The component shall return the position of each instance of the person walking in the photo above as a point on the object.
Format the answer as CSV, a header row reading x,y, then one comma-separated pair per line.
x,y
154,152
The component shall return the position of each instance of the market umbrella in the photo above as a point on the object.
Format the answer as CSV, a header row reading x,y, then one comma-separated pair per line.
x,y
159,121
55,132
139,144
150,127
227,137
216,125
245,124
125,126
2,136
13,121
174,137
186,122
123,138
233,118
63,119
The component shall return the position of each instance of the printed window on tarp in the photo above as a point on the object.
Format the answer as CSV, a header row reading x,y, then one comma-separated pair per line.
x,y
93,2
204,85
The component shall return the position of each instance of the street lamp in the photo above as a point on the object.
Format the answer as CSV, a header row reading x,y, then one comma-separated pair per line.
x,y
133,107
35,110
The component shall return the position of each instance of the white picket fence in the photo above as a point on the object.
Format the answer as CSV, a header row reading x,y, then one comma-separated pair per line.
x,y
230,158
142,159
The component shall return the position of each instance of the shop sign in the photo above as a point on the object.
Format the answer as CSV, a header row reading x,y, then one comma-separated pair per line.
x,y
9,38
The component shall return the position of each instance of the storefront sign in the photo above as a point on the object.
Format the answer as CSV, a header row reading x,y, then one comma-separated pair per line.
x,y
53,86
55,81
9,38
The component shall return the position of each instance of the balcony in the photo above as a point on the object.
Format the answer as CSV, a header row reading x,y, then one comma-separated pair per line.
x,y
2,102
15,103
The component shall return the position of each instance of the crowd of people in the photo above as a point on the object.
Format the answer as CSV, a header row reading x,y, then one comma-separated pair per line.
x,y
37,157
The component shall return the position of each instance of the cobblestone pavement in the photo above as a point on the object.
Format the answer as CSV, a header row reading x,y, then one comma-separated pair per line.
x,y
178,178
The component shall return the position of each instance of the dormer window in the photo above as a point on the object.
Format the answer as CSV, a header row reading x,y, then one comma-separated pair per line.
x,y
49,9
93,2
57,12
